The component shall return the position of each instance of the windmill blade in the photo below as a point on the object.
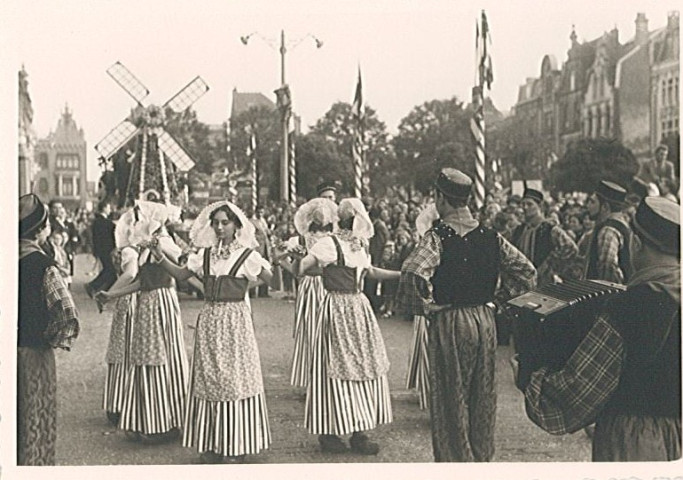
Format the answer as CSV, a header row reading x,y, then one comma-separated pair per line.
x,y
188,95
116,138
128,82
175,152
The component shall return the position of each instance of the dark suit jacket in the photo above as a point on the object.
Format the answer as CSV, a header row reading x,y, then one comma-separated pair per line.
x,y
102,236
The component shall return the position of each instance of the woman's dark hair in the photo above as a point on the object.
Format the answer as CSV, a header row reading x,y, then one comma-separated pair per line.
x,y
231,215
315,227
346,224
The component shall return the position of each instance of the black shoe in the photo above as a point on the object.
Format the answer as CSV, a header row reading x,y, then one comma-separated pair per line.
x,y
360,443
113,417
159,438
332,444
233,460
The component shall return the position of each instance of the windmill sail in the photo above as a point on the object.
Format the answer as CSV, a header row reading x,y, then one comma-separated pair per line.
x,y
116,138
188,95
175,152
128,82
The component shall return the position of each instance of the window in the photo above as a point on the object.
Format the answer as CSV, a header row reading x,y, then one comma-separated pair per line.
x,y
42,186
572,81
67,187
42,160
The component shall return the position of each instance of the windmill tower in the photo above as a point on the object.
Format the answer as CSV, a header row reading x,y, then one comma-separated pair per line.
x,y
146,168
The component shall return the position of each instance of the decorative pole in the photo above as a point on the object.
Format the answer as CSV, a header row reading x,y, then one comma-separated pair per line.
x,y
251,153
357,147
292,171
477,124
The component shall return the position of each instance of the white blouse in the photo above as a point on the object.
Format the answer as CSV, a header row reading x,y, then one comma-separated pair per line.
x,y
325,252
129,261
250,269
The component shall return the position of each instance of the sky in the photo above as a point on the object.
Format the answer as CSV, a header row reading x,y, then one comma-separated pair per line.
x,y
409,52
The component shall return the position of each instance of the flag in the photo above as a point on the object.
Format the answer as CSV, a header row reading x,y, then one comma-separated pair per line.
x,y
484,55
357,115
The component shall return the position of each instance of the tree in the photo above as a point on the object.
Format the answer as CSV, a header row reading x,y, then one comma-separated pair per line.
x,y
264,122
432,136
337,127
589,160
318,159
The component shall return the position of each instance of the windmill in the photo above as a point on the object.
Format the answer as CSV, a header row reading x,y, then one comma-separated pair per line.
x,y
146,168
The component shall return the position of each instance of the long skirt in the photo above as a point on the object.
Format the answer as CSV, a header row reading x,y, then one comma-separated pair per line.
x,y
226,410
418,367
308,298
154,396
36,406
349,390
118,352
630,438
462,360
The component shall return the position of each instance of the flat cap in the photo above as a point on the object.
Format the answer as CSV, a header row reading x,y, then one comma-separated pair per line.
x,y
533,194
658,220
611,192
453,183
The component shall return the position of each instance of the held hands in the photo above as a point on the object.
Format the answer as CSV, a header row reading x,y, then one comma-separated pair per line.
x,y
432,308
102,298
514,364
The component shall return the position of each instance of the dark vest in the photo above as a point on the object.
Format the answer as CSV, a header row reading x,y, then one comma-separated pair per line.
x,y
469,268
225,288
650,382
153,276
33,314
337,277
543,244
624,251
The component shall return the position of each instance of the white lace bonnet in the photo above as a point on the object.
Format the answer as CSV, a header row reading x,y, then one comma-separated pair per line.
x,y
319,210
362,225
203,236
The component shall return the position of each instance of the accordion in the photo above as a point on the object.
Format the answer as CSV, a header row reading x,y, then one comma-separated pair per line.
x,y
550,323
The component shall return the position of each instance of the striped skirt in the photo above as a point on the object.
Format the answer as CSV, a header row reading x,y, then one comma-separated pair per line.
x,y
118,352
418,368
309,295
226,412
335,406
154,394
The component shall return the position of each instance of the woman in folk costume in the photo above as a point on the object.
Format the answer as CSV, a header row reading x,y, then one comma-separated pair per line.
x,y
154,392
418,367
348,390
313,220
226,415
118,350
48,319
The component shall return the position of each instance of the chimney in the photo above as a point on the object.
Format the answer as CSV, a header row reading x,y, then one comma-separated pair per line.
x,y
641,29
673,20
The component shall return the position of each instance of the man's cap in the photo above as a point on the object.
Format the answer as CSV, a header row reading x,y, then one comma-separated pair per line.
x,y
658,220
611,192
324,186
533,194
453,183
32,214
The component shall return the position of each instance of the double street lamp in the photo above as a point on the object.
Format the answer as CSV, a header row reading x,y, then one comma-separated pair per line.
x,y
283,102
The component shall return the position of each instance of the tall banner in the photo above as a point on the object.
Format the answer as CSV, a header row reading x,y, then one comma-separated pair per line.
x,y
357,114
477,123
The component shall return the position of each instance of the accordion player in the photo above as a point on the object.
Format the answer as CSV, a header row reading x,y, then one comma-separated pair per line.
x,y
550,322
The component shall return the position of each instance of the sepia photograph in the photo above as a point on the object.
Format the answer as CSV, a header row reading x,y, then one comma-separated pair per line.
x,y
402,239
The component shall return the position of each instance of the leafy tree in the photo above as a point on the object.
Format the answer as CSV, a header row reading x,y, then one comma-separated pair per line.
x,y
589,160
194,137
337,127
318,159
432,136
265,123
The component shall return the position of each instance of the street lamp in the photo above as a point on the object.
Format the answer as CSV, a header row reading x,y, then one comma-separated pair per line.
x,y
283,101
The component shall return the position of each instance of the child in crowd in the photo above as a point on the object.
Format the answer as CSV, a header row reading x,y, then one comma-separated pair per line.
x,y
57,239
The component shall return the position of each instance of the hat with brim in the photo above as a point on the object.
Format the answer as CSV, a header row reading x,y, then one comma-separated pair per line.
x,y
324,186
658,220
33,214
453,183
611,192
533,194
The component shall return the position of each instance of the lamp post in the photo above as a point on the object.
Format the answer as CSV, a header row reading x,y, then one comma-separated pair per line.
x,y
284,103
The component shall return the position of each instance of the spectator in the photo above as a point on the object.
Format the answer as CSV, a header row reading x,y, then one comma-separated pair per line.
x,y
103,244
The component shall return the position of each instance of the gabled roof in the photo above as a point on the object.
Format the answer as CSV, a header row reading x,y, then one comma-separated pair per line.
x,y
241,102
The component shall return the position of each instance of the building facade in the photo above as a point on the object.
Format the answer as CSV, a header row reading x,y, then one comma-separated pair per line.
x,y
62,166
27,137
607,89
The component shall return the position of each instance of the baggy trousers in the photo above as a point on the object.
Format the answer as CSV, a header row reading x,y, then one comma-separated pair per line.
x,y
462,349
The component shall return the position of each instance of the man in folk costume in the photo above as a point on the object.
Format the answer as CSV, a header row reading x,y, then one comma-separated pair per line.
x,y
548,246
327,190
48,319
626,373
451,278
608,256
